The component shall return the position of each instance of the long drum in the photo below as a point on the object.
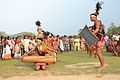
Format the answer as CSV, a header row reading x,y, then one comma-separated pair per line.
x,y
89,37
39,59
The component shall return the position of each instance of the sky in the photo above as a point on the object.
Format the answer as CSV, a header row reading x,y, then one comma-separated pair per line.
x,y
63,17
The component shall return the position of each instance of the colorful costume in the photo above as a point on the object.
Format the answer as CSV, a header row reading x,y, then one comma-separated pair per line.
x,y
100,34
6,51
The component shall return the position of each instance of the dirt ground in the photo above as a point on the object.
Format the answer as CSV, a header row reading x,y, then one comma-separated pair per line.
x,y
69,77
42,76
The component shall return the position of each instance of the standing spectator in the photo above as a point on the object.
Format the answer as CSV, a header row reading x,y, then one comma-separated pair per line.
x,y
6,50
55,43
77,43
1,47
65,43
82,44
17,53
12,45
61,44
71,43
26,43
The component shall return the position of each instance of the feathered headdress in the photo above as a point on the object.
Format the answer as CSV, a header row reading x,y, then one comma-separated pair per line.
x,y
98,7
38,23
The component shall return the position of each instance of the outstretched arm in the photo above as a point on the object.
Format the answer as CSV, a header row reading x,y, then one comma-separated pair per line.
x,y
32,50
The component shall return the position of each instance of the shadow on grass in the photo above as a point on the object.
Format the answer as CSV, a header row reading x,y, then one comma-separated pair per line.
x,y
25,65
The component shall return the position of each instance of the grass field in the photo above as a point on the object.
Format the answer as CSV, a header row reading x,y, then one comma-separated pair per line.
x,y
15,67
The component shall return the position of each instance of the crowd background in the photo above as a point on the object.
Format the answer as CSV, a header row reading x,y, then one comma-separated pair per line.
x,y
113,44
15,47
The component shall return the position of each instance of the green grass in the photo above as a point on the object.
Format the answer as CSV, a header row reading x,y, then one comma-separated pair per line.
x,y
15,67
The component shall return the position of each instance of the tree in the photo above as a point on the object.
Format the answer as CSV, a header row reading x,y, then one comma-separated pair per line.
x,y
113,29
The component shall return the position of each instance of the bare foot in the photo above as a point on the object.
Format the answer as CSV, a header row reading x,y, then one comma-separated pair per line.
x,y
102,67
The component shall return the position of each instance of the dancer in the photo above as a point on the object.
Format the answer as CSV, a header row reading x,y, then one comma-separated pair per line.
x,y
98,30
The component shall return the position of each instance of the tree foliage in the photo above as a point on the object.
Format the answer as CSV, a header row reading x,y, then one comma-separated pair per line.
x,y
113,29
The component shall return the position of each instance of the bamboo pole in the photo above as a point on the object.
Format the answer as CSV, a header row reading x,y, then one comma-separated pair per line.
x,y
39,59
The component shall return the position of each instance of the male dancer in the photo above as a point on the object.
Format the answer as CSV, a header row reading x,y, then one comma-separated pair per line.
x,y
98,30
